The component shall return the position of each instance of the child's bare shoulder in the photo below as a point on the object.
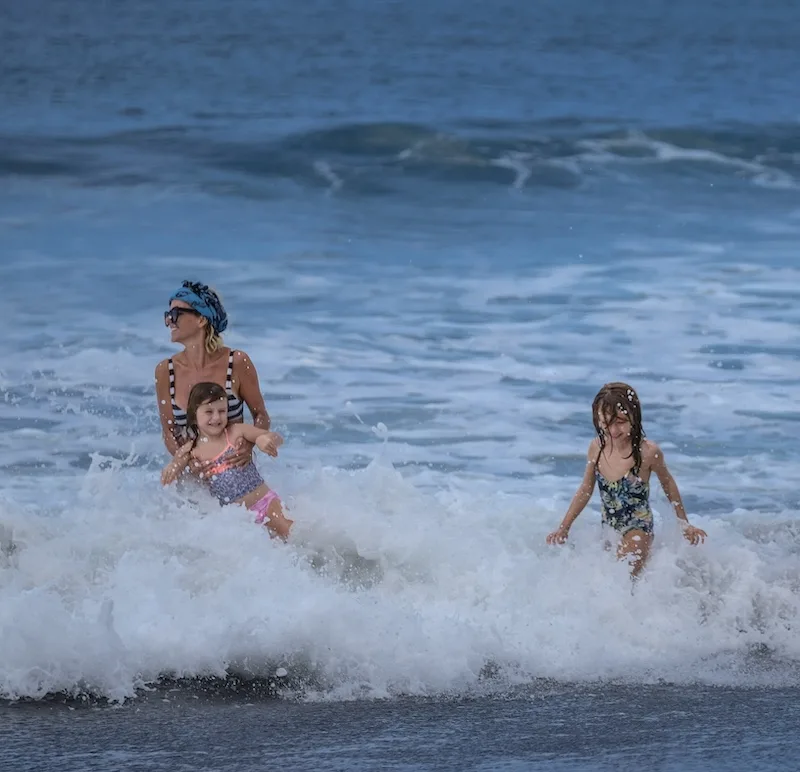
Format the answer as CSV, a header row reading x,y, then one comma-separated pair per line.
x,y
651,453
594,449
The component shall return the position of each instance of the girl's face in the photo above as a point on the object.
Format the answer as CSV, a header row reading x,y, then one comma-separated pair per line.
x,y
212,418
617,426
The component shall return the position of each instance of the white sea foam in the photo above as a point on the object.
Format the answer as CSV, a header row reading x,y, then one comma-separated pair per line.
x,y
437,417
386,589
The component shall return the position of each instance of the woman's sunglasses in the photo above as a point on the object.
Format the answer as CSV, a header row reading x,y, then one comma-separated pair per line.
x,y
172,316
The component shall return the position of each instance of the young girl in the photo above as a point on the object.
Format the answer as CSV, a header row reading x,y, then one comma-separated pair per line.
x,y
213,444
620,459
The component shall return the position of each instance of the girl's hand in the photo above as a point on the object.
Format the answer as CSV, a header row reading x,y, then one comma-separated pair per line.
x,y
269,443
559,536
694,535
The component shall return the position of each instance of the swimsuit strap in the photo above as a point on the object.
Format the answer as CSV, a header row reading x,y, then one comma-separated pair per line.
x,y
229,374
228,446
171,378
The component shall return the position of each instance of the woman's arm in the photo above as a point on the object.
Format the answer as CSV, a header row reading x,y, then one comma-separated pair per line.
x,y
245,377
179,464
165,407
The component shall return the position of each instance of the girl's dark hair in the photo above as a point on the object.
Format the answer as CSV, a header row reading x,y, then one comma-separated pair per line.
x,y
201,394
612,399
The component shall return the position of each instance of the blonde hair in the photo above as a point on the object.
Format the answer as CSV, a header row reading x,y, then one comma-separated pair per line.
x,y
213,340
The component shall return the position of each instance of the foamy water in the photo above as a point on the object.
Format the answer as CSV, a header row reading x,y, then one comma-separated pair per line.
x,y
386,589
436,246
437,417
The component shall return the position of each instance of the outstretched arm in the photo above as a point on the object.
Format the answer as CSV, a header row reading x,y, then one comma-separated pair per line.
x,y
579,500
264,440
670,488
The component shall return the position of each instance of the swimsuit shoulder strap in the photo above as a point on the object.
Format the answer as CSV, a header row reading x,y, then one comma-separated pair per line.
x,y
224,450
228,440
171,369
229,374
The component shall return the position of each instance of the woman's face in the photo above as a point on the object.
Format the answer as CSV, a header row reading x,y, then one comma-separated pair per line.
x,y
183,321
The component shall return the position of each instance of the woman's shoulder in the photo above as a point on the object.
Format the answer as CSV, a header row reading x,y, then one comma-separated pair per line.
x,y
176,360
241,359
162,368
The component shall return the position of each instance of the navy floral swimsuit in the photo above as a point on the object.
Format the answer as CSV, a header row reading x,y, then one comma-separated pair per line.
x,y
626,502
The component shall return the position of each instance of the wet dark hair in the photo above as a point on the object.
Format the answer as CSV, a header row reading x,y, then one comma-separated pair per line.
x,y
611,399
201,394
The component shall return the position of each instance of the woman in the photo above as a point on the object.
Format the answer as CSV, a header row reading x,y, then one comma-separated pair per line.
x,y
197,319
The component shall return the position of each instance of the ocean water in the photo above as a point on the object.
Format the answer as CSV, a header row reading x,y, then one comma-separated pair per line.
x,y
438,229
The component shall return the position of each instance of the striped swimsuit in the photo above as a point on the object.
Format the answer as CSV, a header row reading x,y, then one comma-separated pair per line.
x,y
235,405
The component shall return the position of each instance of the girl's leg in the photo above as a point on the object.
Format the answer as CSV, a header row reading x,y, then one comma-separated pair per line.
x,y
635,547
277,522
270,514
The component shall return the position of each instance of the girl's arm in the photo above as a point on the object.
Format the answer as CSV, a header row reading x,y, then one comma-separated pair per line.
x,y
165,407
580,499
263,439
245,376
659,465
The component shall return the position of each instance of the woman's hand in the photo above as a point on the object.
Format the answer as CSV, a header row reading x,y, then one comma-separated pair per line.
x,y
269,443
175,468
241,456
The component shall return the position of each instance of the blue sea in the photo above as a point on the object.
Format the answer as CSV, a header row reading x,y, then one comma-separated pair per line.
x,y
438,228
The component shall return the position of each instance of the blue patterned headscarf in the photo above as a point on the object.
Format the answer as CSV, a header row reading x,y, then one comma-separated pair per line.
x,y
205,301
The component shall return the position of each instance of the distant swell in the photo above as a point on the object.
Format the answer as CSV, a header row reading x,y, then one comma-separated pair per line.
x,y
387,157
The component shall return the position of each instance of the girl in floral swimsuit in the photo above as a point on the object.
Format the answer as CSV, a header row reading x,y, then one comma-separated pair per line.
x,y
620,461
